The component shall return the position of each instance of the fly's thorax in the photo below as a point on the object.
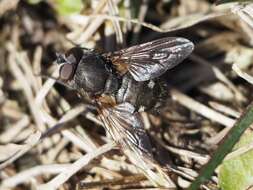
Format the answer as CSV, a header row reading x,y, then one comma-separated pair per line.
x,y
91,74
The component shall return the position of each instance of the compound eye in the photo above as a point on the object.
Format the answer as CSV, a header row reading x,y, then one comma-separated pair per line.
x,y
66,71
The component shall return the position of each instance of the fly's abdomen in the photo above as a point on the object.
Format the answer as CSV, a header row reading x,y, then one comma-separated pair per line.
x,y
143,95
152,96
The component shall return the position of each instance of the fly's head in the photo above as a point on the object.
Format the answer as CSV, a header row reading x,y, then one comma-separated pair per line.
x,y
83,70
68,66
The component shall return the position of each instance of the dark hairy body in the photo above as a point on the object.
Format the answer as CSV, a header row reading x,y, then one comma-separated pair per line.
x,y
123,83
96,76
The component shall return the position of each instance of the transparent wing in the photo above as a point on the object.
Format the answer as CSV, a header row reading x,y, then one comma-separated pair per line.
x,y
126,127
150,60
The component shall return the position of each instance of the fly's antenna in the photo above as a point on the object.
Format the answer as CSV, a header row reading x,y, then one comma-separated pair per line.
x,y
60,58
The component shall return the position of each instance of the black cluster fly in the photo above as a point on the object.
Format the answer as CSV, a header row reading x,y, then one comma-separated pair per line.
x,y
122,83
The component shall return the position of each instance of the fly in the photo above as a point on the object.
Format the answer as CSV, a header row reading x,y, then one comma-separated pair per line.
x,y
123,82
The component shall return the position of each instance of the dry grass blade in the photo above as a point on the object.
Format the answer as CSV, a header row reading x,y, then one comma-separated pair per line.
x,y
225,109
26,175
19,75
242,74
90,27
153,171
14,130
87,147
126,181
114,11
190,20
245,12
6,5
75,167
141,16
47,86
220,75
201,109
170,26
201,159
16,151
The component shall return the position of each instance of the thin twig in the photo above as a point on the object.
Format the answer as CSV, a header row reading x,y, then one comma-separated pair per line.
x,y
113,11
242,74
29,144
225,109
75,167
164,28
14,130
201,109
26,175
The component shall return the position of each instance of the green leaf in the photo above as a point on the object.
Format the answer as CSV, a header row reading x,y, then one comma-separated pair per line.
x,y
67,7
237,173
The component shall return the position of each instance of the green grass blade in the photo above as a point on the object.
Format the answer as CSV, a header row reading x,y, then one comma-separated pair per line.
x,y
230,140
